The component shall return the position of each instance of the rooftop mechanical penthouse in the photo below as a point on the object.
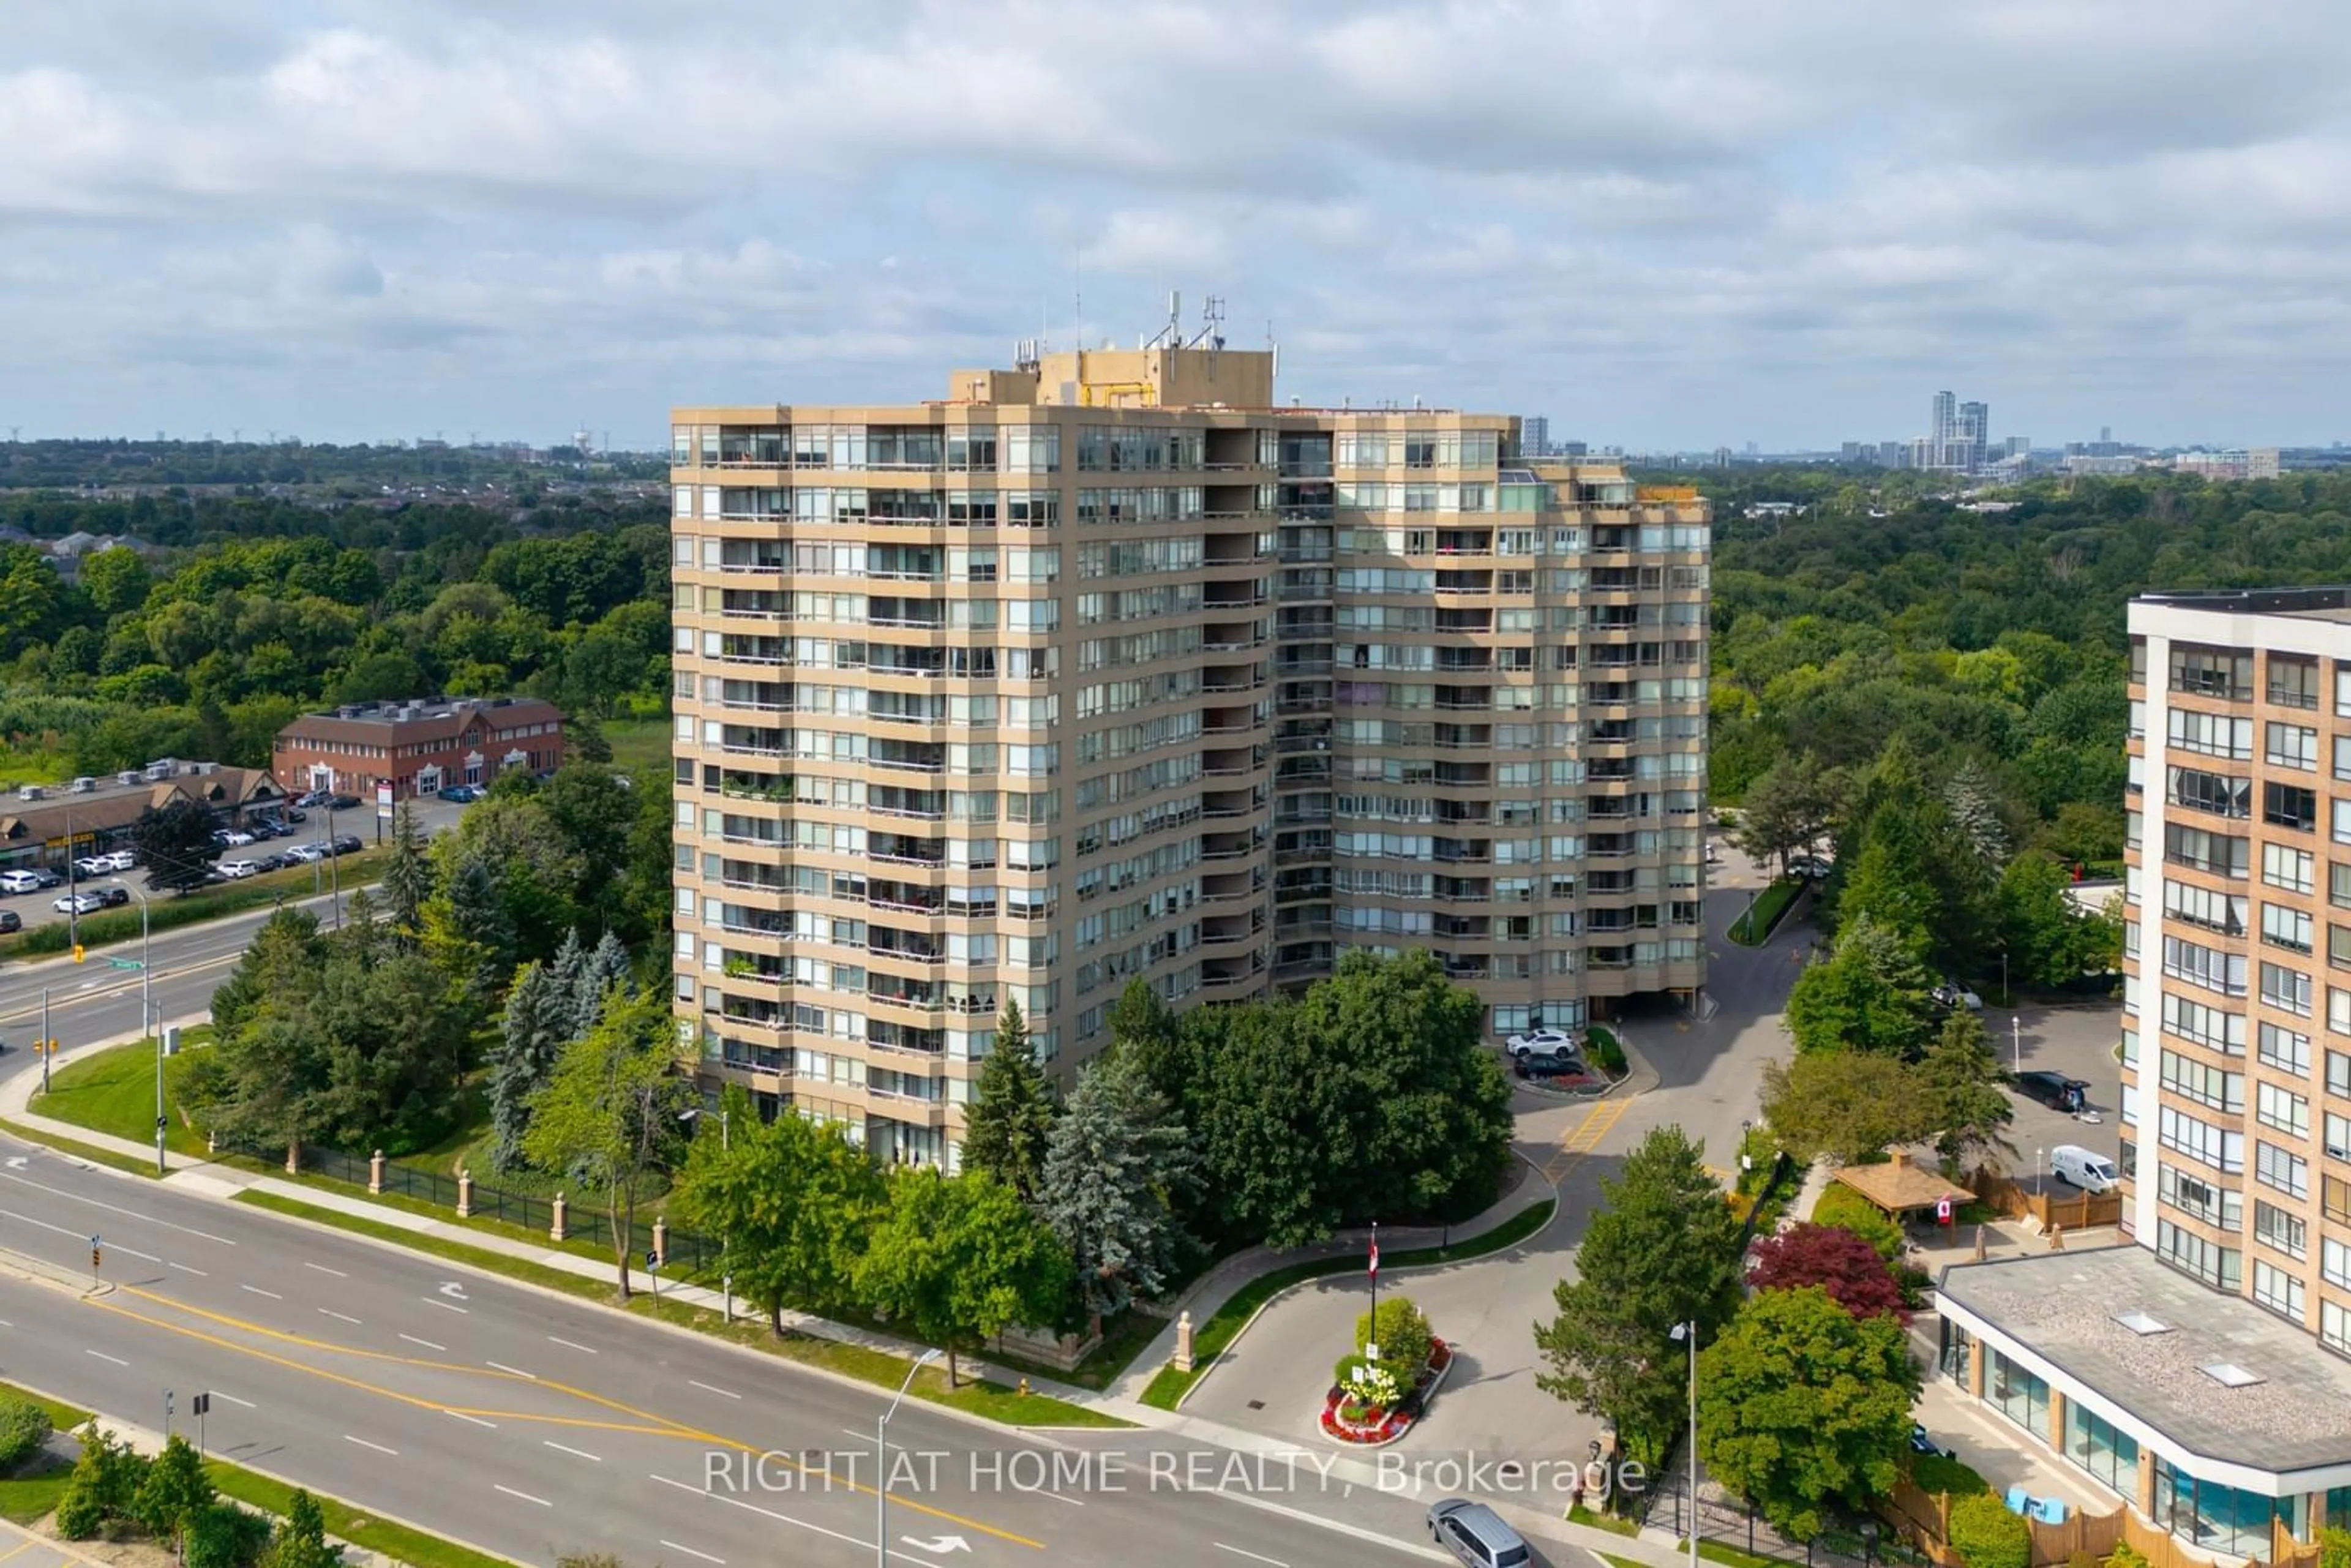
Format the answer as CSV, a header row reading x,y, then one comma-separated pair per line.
x,y
1106,668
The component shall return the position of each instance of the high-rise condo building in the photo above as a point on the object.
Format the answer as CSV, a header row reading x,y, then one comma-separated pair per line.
x,y
1106,668
2202,1374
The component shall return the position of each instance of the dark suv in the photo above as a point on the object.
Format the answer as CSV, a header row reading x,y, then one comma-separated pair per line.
x,y
2055,1090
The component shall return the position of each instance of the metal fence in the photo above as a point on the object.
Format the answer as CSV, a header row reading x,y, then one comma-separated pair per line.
x,y
686,1254
1726,1519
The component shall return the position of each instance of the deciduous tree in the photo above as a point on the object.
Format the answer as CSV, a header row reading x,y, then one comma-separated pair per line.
x,y
301,1538
1837,1261
959,1260
1841,1105
1803,1407
1870,997
174,1492
793,1201
610,1110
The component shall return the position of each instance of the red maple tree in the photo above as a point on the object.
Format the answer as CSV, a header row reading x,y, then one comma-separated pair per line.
x,y
1847,1267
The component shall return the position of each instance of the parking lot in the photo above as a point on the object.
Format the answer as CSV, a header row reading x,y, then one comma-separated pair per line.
x,y
37,907
2079,1042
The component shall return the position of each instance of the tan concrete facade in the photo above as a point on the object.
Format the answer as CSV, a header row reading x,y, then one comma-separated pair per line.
x,y
1106,668
2237,1048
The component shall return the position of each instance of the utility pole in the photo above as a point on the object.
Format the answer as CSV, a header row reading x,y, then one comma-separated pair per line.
x,y
46,1052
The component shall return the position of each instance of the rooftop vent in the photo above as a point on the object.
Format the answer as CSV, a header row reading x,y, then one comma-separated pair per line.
x,y
2229,1375
2141,1323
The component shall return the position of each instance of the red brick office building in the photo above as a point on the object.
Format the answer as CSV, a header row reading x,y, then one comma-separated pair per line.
x,y
420,746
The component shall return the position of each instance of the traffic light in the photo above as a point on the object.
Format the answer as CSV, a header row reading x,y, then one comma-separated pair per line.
x,y
78,952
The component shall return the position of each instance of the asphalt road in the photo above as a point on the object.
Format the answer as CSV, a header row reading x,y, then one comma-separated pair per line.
x,y
532,1425
97,1001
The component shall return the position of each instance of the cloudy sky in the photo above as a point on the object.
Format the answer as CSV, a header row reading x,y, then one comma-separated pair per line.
x,y
1659,222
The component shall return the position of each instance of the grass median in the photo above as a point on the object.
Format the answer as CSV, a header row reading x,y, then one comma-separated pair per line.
x,y
1168,1388
881,1368
114,1092
1754,926
27,1499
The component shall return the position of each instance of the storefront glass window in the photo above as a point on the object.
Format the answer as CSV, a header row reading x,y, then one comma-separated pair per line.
x,y
1954,1359
2111,1456
2017,1394
2211,1516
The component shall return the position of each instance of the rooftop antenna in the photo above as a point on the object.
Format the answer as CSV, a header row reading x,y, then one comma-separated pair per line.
x,y
1212,318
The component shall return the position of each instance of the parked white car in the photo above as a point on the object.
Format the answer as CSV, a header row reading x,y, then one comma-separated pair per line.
x,y
305,854
1555,1042
121,859
237,870
19,882
79,904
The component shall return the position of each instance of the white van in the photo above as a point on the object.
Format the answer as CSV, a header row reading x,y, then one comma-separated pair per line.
x,y
2077,1167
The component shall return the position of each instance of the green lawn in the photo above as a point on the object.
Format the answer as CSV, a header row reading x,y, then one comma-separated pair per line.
x,y
992,1401
1754,926
640,743
114,1091
1168,1388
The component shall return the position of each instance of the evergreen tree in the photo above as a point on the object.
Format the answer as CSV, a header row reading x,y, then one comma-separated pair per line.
x,y
300,1540
564,970
538,1026
1973,800
1011,1114
1114,1164
407,874
1959,1083
604,966
466,931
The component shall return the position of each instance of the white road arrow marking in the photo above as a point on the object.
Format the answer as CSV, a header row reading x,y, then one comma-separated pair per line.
x,y
937,1543
452,1288
15,1161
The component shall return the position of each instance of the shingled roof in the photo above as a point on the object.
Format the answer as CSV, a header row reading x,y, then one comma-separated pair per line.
x,y
438,724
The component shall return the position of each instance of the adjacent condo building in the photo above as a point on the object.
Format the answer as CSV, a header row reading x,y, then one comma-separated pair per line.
x,y
2204,1374
1104,668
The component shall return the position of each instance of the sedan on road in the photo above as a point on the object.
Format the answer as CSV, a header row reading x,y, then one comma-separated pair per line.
x,y
79,904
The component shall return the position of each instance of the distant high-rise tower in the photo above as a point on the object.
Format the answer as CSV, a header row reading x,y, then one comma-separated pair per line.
x,y
1534,436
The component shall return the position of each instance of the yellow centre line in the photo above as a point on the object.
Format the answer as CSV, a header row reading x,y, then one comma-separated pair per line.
x,y
660,1426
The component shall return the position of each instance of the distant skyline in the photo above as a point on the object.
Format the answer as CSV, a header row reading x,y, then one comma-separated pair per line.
x,y
1667,228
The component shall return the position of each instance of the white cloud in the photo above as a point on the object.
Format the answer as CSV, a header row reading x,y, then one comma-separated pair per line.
x,y
1662,219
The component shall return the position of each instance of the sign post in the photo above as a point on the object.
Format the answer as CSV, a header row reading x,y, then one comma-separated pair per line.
x,y
382,808
200,1406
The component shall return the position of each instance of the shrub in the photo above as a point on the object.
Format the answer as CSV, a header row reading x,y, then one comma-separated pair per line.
x,y
1936,1473
222,1535
23,1427
1376,1385
1986,1535
2125,1555
103,1489
2334,1548
1607,1052
1405,1338
1847,1210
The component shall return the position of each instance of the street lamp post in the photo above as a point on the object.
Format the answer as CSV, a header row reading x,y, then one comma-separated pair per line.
x,y
2016,1039
147,1011
882,1464
1688,1331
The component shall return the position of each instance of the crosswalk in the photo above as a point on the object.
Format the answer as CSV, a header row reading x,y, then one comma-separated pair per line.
x,y
1585,1136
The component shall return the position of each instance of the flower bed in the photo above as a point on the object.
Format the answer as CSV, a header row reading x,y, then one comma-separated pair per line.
x,y
1348,1418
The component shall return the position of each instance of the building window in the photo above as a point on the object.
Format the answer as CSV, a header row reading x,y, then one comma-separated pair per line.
x,y
2277,1290
2288,869
2285,1050
2220,672
2293,682
2283,926
2219,1266
2286,989
2280,1107
2289,806
2277,1167
2221,794
2290,745
2017,1394
2282,1229
2110,1456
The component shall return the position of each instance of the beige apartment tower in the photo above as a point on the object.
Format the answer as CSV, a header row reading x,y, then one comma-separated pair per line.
x,y
1106,668
2237,1043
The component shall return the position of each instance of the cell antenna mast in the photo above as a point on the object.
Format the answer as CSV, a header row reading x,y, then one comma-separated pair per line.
x,y
1212,319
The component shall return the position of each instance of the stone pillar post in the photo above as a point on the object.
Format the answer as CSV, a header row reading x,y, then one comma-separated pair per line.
x,y
1183,1342
375,1172
556,1231
1982,1250
661,1241
465,1194
2056,1239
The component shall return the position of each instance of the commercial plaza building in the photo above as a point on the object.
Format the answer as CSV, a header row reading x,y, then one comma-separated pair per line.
x,y
1104,668
2215,1393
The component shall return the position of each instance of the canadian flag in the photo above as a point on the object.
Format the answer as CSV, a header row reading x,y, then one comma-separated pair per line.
x,y
1375,1270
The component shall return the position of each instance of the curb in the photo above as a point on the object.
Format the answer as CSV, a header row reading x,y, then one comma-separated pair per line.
x,y
1209,1368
